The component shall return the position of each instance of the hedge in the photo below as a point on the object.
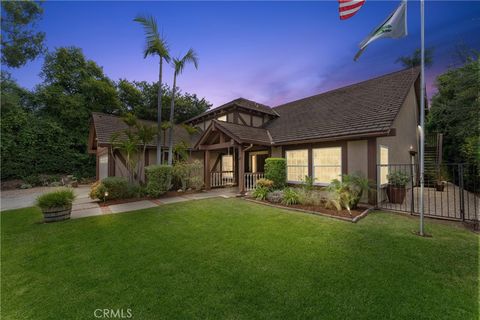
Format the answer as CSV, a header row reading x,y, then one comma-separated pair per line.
x,y
276,170
159,179
117,188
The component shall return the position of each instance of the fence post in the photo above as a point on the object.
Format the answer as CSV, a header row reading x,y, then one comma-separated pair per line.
x,y
462,199
412,203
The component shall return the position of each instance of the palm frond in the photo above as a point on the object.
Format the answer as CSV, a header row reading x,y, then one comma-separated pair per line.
x,y
189,57
155,44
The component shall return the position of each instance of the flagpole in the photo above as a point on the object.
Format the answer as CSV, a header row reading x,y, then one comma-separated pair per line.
x,y
422,114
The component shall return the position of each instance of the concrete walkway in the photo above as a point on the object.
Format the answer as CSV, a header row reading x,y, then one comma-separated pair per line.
x,y
83,206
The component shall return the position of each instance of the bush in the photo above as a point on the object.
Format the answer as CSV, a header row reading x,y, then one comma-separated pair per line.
x,y
290,196
188,175
116,187
398,179
311,198
276,170
60,198
181,174
260,193
265,183
346,193
159,179
275,196
307,183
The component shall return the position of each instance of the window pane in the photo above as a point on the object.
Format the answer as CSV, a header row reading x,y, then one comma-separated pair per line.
x,y
297,174
383,161
297,158
227,165
327,156
297,165
327,164
326,174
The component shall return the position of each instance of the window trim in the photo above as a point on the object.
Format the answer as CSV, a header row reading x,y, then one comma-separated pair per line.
x,y
323,184
296,165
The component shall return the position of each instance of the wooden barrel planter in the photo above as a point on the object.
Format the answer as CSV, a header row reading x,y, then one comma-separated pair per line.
x,y
56,214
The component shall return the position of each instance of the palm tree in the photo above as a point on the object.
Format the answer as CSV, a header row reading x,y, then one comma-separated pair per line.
x,y
155,46
179,65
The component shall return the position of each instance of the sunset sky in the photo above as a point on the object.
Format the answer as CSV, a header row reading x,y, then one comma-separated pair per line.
x,y
270,52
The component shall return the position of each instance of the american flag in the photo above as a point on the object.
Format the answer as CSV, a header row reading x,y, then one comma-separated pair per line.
x,y
348,8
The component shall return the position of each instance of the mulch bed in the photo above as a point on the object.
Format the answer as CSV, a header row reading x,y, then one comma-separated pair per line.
x,y
169,194
356,215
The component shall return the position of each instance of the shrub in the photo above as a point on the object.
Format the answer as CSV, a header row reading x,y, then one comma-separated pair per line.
x,y
188,175
290,196
398,179
346,193
260,193
60,198
159,179
276,170
265,183
117,188
307,183
275,196
33,180
181,174
311,198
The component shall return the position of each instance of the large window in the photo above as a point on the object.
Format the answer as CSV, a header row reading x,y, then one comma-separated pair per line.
x,y
297,165
383,165
327,164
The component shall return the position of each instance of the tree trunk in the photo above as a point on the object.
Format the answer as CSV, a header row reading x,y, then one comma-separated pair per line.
x,y
172,110
159,115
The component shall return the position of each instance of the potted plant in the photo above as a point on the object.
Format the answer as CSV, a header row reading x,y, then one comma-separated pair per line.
x,y
56,205
397,182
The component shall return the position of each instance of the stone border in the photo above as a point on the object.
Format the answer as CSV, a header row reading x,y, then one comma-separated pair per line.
x,y
353,220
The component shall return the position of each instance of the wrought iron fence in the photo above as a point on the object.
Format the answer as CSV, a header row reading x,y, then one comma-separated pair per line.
x,y
451,191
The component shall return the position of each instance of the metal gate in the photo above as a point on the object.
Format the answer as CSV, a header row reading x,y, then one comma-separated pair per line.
x,y
451,190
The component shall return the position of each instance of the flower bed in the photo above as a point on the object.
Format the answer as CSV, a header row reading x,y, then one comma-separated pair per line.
x,y
356,215
339,199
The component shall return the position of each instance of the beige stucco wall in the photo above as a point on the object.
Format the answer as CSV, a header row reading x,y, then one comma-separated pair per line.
x,y
406,132
357,157
276,152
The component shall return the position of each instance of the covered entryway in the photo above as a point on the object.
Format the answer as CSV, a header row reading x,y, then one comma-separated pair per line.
x,y
234,155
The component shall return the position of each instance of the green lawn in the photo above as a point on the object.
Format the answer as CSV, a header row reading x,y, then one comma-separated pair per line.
x,y
231,259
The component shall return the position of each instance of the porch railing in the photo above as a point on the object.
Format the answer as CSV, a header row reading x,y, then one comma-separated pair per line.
x,y
251,180
222,178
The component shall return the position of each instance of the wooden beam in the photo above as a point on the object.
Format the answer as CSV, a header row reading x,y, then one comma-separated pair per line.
x,y
372,168
206,169
241,170
216,146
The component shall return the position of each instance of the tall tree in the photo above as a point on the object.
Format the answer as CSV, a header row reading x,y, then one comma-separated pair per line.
x,y
455,112
20,43
178,65
415,59
155,46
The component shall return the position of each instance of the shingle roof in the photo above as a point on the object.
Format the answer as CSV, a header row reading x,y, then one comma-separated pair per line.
x,y
107,124
240,102
245,134
365,107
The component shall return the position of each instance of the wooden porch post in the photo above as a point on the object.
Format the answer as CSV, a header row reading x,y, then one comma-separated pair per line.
x,y
206,169
241,170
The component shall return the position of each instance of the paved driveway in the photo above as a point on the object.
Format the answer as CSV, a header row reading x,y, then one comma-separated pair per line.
x,y
22,198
